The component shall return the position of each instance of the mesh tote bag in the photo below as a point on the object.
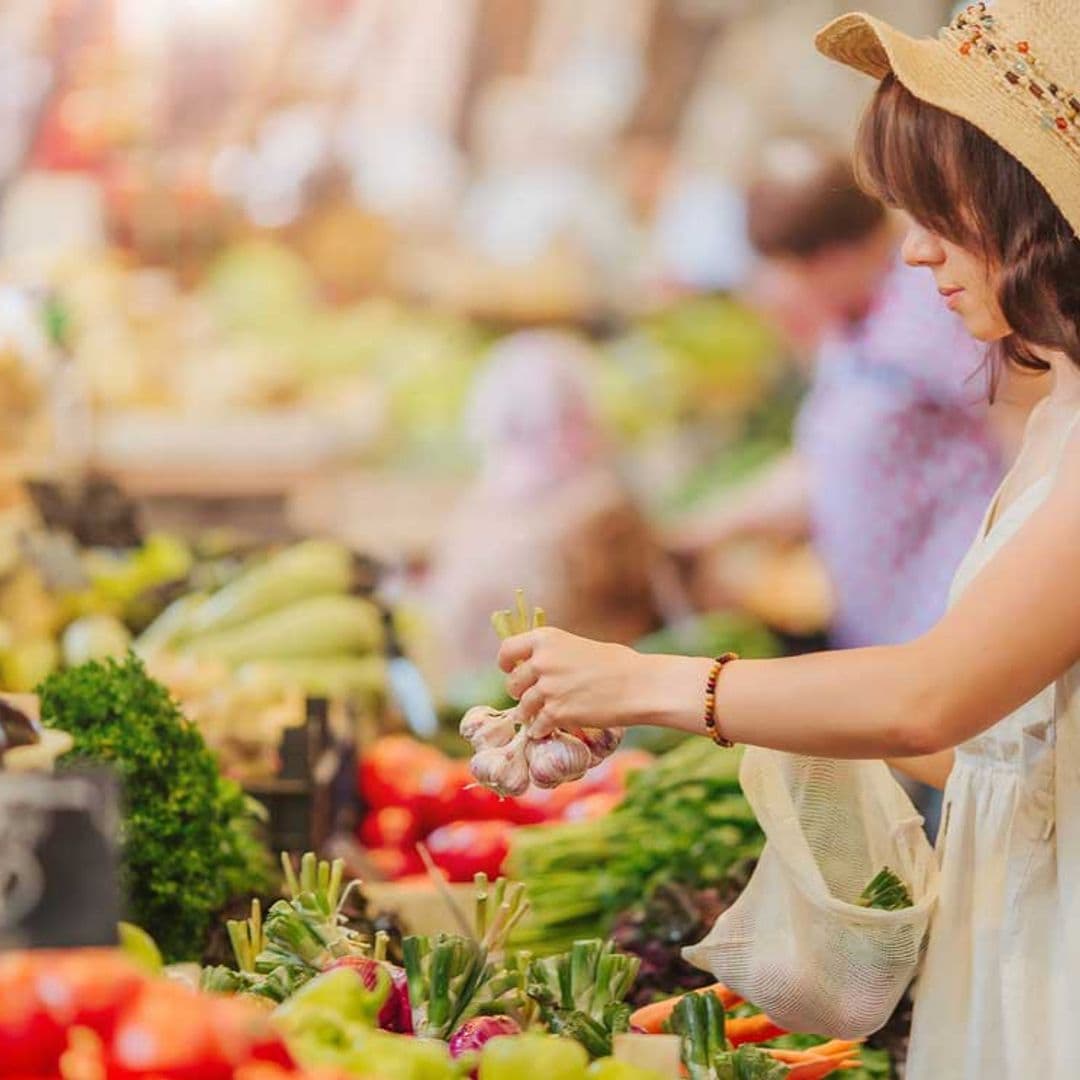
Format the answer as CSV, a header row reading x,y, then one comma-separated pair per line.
x,y
796,943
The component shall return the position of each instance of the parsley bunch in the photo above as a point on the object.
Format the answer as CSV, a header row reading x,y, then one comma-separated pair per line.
x,y
189,839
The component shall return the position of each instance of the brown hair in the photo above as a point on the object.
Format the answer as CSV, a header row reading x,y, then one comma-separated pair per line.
x,y
960,184
805,214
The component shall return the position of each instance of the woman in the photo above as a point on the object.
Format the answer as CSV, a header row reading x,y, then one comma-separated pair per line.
x,y
975,134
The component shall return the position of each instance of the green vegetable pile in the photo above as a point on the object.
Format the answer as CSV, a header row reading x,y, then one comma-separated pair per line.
x,y
683,820
299,937
712,634
190,841
763,435
331,1022
453,977
581,993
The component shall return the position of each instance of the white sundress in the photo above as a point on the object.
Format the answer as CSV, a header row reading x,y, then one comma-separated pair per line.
x,y
999,993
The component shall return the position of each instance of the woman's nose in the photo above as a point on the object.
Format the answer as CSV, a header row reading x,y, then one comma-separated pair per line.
x,y
922,248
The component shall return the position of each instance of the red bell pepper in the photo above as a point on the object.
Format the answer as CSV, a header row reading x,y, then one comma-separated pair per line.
x,y
397,769
473,802
463,849
395,863
592,807
613,773
550,803
390,827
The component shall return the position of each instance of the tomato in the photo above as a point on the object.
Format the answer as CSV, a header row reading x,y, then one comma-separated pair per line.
x,y
391,827
262,1071
169,1032
32,1041
43,994
88,988
93,1009
463,849
242,1031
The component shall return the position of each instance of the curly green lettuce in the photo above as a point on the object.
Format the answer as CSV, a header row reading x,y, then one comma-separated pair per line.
x,y
189,836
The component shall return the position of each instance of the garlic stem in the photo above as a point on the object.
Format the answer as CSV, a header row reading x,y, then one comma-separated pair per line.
x,y
522,622
504,627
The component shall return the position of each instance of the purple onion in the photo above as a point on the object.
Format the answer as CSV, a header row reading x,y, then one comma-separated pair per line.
x,y
474,1033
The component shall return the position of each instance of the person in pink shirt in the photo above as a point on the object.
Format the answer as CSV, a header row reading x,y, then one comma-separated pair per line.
x,y
896,452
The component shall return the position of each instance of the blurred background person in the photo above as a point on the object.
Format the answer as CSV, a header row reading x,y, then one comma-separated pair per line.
x,y
546,512
896,454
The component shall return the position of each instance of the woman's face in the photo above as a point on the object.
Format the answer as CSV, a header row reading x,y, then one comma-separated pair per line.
x,y
967,285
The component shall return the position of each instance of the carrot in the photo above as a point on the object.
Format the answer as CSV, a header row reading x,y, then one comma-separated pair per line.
x,y
836,1048
836,1045
812,1064
816,1069
652,1018
752,1029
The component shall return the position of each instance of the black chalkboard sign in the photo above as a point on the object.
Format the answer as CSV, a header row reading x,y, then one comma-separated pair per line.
x,y
59,859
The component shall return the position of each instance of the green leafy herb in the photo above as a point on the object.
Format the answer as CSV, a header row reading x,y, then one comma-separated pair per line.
x,y
189,841
886,892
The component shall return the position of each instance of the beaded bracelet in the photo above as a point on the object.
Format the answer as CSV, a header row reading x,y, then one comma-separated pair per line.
x,y
710,699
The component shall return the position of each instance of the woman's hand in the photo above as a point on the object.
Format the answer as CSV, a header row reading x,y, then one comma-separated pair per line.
x,y
565,681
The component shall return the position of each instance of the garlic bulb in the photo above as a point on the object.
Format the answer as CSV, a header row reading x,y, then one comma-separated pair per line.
x,y
504,769
486,727
601,742
556,759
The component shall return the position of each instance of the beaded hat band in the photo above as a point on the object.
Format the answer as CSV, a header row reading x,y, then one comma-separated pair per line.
x,y
1011,68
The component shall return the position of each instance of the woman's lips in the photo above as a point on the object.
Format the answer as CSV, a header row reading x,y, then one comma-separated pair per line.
x,y
952,295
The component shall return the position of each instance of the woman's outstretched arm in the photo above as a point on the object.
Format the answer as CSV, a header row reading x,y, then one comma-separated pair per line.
x,y
1012,633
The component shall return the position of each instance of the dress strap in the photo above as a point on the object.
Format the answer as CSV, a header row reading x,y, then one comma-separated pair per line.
x,y
1069,429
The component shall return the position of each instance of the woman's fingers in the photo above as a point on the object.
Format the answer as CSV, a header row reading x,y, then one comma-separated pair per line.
x,y
521,678
515,650
543,724
531,703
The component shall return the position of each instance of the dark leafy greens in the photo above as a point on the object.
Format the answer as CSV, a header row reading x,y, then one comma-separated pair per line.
x,y
190,841
683,820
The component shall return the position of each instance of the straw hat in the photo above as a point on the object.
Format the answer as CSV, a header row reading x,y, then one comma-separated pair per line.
x,y
1011,68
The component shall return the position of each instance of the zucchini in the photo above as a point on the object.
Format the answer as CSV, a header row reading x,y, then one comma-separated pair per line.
x,y
321,626
326,676
308,569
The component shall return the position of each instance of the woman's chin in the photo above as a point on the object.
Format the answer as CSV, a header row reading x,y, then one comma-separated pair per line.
x,y
982,329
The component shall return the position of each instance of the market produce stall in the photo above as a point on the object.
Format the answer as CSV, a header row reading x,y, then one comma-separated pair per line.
x,y
260,815
318,972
